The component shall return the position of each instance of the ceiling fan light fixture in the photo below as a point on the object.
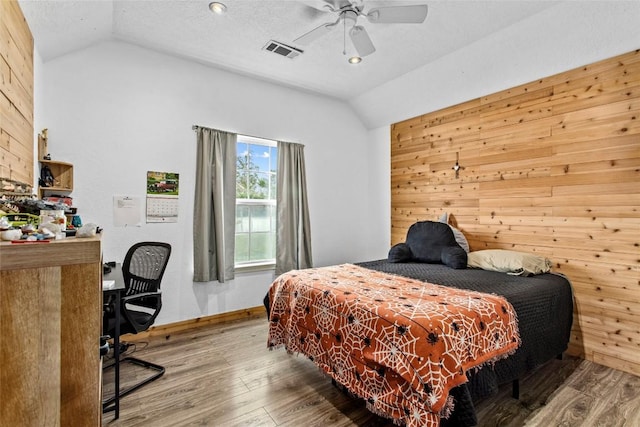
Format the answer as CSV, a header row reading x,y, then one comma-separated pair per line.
x,y
355,60
217,7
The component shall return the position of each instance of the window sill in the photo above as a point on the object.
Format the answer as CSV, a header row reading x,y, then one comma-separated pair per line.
x,y
248,268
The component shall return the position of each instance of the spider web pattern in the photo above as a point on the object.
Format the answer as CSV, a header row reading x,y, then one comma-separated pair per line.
x,y
325,311
358,327
399,343
396,350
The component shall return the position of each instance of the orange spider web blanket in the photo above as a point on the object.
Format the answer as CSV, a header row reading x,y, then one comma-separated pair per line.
x,y
399,343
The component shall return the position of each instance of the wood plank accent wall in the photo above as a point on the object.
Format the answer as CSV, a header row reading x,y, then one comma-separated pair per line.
x,y
550,167
16,94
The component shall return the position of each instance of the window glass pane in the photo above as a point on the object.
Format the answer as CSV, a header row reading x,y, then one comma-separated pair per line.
x,y
252,176
260,219
273,183
242,151
260,157
242,247
242,219
262,246
261,186
272,218
242,190
243,169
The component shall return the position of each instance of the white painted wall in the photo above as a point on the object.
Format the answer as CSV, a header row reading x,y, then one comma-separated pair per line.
x,y
560,38
563,37
116,111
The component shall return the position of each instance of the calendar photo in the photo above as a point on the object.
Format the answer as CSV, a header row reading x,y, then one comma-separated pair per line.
x,y
162,196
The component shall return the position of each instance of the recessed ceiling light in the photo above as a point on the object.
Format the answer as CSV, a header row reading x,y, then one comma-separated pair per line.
x,y
355,60
217,7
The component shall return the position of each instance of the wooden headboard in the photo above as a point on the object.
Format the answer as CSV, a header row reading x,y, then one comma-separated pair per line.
x,y
16,95
551,167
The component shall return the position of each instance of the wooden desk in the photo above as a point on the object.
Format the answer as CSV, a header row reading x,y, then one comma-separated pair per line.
x,y
50,325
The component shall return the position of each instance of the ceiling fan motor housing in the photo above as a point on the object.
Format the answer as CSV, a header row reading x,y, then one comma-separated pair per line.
x,y
349,17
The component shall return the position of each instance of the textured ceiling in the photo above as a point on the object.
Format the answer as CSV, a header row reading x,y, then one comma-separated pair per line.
x,y
235,41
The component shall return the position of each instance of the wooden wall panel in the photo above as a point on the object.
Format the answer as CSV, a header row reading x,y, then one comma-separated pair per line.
x,y
16,94
550,167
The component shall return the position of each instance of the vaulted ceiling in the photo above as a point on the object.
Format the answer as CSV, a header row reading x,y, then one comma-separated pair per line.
x,y
235,40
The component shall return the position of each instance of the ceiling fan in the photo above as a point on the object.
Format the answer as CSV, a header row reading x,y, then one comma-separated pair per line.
x,y
348,12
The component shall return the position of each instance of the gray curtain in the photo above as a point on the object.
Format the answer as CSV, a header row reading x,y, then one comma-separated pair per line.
x,y
293,236
214,213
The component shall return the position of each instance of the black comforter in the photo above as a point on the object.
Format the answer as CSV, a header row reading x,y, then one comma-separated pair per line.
x,y
544,306
543,303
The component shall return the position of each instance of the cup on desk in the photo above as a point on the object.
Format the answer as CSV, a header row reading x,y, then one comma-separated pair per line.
x,y
76,221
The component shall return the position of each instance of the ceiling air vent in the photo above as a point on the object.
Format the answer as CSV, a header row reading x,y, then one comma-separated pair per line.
x,y
282,49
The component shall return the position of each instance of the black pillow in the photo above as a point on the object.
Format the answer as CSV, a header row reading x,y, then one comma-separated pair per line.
x,y
427,241
400,253
454,257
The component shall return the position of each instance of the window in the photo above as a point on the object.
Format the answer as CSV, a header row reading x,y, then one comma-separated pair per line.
x,y
256,166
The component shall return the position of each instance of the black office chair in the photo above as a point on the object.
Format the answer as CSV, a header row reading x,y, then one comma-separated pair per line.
x,y
142,270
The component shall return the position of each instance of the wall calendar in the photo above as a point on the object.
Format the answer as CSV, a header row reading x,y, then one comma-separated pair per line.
x,y
162,196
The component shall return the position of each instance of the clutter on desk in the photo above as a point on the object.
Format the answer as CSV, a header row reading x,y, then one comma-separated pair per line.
x,y
29,219
34,206
88,230
55,217
9,235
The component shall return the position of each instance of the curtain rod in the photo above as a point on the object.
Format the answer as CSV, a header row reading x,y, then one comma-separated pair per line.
x,y
196,127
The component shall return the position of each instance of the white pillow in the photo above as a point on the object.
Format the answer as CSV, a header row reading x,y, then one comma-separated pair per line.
x,y
510,262
462,241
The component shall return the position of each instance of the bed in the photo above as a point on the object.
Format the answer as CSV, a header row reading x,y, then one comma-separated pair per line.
x,y
352,321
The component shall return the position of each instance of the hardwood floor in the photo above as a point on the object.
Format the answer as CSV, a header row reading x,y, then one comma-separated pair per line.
x,y
223,375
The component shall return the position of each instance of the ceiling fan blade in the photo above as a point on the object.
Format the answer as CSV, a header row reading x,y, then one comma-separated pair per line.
x,y
398,14
326,5
339,4
361,41
315,34
318,5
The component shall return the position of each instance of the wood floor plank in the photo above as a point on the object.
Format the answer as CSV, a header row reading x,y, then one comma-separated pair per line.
x,y
224,375
257,418
628,399
594,395
569,410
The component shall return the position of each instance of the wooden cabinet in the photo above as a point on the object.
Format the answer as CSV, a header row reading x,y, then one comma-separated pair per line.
x,y
62,175
50,324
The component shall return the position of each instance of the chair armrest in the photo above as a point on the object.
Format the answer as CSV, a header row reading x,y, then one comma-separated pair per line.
x,y
143,295
149,300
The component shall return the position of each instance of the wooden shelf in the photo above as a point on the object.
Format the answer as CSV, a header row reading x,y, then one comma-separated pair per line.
x,y
62,176
55,189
